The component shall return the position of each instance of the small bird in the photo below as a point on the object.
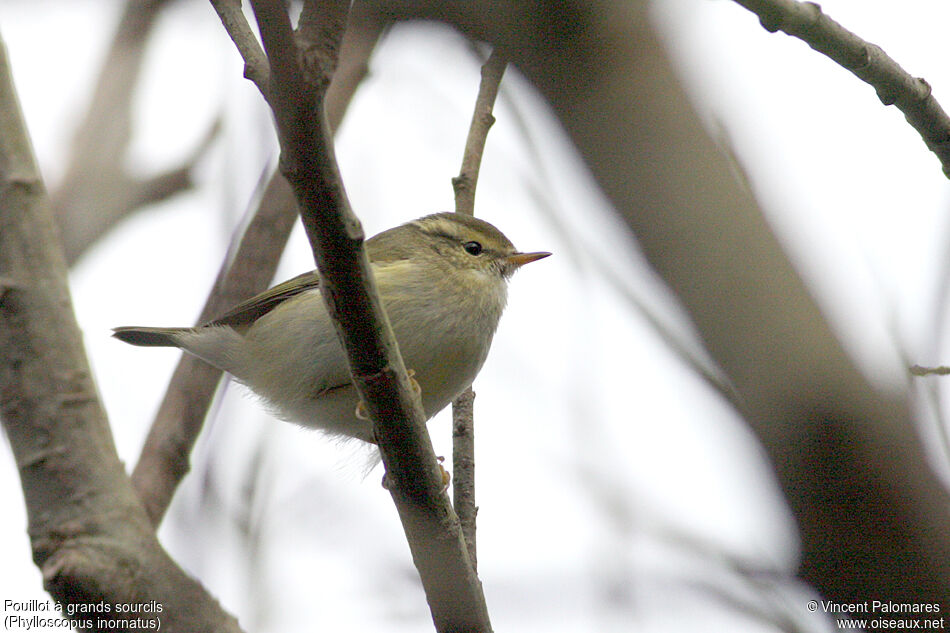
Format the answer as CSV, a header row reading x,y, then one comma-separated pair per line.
x,y
443,282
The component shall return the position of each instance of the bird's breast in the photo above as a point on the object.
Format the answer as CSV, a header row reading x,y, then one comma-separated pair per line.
x,y
444,331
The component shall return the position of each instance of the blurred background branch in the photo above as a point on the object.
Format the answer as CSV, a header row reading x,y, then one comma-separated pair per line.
x,y
97,189
871,513
255,62
247,270
872,516
90,537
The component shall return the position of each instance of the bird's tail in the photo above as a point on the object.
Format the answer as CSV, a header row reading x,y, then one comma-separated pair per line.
x,y
149,336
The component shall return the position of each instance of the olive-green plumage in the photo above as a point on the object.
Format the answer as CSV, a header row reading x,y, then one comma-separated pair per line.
x,y
442,280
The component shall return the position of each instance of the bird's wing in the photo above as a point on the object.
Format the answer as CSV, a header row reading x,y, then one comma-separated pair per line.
x,y
241,316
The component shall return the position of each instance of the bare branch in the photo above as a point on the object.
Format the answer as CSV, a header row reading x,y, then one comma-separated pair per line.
x,y
166,184
90,537
463,409
918,370
482,119
463,469
96,190
255,62
348,288
894,86
165,458
872,515
363,30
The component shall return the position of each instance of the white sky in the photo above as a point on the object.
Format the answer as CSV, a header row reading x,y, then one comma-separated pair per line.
x,y
592,517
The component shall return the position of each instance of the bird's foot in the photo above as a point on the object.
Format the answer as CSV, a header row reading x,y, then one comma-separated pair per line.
x,y
416,388
446,476
361,413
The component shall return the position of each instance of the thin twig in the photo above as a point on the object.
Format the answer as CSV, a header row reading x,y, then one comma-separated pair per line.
x,y
918,370
894,86
255,62
463,468
348,289
927,392
482,119
463,409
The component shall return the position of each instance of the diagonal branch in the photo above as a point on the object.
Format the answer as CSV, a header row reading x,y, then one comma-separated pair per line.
x,y
255,62
90,537
165,458
463,409
871,513
894,85
97,191
348,288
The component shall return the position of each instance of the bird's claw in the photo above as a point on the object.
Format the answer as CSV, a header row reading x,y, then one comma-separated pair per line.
x,y
446,476
361,413
416,388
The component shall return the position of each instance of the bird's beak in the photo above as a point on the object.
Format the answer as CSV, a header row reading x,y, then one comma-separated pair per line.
x,y
520,259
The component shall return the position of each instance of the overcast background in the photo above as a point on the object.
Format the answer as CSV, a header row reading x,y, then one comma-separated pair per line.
x,y
617,491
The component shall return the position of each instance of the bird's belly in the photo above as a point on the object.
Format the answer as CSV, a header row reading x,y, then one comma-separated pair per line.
x,y
305,376
333,412
443,370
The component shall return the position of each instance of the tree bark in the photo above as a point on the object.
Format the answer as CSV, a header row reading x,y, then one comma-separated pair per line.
x,y
90,536
872,515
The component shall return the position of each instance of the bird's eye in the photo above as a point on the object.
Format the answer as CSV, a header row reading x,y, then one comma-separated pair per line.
x,y
472,248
